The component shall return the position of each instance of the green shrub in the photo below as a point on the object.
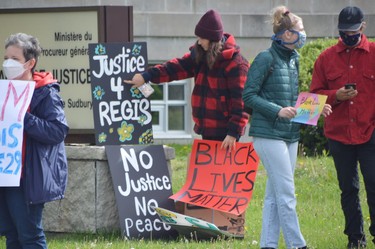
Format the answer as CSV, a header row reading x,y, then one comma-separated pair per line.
x,y
309,53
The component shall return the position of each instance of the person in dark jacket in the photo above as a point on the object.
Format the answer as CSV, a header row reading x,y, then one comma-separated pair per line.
x,y
219,71
345,72
44,164
271,91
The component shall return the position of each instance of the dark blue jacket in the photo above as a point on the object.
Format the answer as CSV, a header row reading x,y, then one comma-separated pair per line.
x,y
46,168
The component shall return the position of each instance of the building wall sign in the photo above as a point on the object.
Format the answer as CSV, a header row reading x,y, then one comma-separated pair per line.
x,y
64,34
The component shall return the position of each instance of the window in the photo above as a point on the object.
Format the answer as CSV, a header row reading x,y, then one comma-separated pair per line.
x,y
170,109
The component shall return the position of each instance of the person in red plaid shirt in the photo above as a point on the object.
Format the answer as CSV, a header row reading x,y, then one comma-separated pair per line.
x,y
219,71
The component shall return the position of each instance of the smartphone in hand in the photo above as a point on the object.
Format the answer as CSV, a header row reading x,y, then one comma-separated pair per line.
x,y
351,86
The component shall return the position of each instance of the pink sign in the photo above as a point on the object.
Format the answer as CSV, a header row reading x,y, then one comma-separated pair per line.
x,y
309,107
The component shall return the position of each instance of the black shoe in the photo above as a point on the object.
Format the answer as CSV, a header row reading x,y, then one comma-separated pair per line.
x,y
356,244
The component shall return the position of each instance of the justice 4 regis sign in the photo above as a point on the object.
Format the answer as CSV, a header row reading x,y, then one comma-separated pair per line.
x,y
122,115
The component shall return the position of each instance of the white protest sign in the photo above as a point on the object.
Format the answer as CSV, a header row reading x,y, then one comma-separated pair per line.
x,y
15,97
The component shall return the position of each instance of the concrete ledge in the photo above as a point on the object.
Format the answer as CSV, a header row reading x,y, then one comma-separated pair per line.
x,y
89,204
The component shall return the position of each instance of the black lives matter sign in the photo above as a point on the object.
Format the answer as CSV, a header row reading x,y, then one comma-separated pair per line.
x,y
141,181
220,179
122,115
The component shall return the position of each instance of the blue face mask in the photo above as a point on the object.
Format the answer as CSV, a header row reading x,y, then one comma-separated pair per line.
x,y
298,43
349,40
301,40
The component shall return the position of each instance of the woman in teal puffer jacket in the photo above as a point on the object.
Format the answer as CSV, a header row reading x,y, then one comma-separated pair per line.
x,y
272,85
271,91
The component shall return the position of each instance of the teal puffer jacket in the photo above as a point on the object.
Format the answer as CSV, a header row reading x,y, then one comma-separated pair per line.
x,y
272,83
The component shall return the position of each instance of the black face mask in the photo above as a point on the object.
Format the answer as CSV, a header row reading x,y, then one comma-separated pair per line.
x,y
349,40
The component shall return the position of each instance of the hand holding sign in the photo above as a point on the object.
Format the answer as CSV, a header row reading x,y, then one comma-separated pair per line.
x,y
287,112
229,143
327,110
309,107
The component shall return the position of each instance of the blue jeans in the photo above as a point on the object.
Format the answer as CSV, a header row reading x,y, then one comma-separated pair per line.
x,y
346,158
279,211
20,223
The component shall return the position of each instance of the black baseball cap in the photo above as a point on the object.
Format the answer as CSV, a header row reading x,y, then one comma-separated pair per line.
x,y
350,19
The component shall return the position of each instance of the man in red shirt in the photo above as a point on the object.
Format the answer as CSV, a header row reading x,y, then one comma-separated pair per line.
x,y
345,73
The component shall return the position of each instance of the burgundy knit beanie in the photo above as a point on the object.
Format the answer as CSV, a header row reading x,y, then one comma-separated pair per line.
x,y
210,26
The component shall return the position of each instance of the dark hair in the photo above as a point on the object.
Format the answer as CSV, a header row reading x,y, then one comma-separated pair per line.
x,y
208,56
29,45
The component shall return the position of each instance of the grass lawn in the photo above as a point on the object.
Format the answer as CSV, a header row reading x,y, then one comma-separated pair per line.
x,y
318,204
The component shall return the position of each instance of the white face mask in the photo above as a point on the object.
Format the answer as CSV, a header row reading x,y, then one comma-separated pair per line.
x,y
13,69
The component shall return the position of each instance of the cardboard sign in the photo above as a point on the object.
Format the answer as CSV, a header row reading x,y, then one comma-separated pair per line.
x,y
231,224
309,107
193,227
140,179
15,97
220,179
122,115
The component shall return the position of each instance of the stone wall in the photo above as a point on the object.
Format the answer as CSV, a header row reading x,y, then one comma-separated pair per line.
x,y
89,204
